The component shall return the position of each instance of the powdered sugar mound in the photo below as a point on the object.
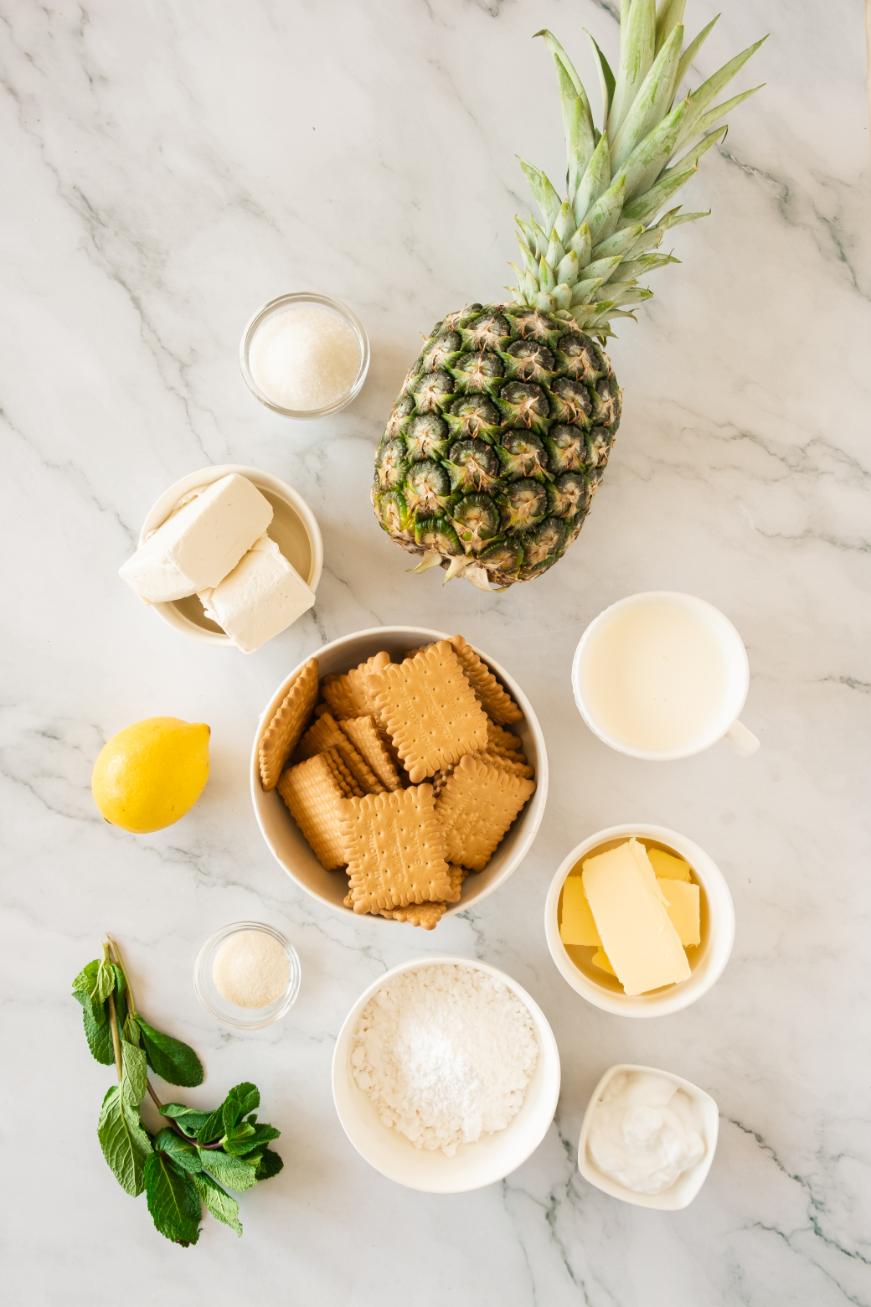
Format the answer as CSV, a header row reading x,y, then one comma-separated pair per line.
x,y
446,1054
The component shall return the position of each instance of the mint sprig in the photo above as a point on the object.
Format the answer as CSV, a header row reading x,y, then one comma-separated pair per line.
x,y
192,1160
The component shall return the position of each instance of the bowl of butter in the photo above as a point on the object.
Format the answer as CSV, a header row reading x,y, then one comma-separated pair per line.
x,y
639,920
228,554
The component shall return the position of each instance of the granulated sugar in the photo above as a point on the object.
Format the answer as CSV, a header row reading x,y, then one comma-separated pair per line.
x,y
446,1054
304,356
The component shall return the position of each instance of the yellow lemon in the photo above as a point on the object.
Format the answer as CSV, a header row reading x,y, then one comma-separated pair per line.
x,y
151,773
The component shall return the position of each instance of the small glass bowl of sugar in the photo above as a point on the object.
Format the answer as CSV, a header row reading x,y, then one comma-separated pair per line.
x,y
247,975
304,355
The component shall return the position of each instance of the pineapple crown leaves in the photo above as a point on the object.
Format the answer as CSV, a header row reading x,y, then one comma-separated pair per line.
x,y
589,248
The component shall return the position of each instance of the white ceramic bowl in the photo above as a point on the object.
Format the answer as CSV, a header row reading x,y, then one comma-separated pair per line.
x,y
293,527
287,843
687,1186
710,958
473,1165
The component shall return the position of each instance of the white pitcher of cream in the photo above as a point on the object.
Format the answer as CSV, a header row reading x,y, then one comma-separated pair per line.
x,y
663,675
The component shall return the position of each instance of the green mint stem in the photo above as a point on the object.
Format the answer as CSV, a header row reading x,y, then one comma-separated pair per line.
x,y
155,1100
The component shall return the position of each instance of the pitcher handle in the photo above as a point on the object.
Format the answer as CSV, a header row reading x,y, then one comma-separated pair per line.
x,y
744,742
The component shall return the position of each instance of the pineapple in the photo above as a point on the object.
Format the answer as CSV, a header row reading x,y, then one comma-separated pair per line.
x,y
500,436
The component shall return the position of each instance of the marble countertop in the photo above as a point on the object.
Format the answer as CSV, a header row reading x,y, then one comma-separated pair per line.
x,y
168,168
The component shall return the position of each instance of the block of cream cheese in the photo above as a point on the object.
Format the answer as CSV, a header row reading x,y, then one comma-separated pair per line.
x,y
631,916
200,542
262,596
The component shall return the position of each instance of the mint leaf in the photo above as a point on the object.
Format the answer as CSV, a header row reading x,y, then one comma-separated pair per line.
x,y
241,1136
99,1037
172,1200
130,1031
190,1119
241,1100
92,988
232,1172
105,981
269,1165
254,1136
212,1129
182,1153
134,1073
121,1014
218,1202
85,982
124,1142
94,983
170,1058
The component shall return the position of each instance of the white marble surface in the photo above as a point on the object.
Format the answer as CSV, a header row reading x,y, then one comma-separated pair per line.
x,y
167,168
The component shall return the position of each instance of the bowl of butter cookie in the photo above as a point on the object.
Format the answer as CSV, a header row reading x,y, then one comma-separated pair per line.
x,y
406,759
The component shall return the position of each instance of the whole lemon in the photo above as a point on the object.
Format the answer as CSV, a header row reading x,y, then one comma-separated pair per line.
x,y
151,773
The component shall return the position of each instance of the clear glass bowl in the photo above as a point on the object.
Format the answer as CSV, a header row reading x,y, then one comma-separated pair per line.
x,y
229,1014
306,297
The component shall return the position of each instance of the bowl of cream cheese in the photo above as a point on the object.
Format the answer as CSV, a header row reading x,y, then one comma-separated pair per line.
x,y
253,528
648,1137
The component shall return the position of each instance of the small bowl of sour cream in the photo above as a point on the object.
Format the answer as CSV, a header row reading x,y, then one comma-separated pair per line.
x,y
247,975
648,1137
304,355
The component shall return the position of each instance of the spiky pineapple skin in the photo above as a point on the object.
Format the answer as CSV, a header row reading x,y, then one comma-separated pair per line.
x,y
497,441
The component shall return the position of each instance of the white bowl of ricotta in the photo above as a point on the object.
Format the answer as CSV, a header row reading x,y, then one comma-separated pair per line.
x,y
648,1137
446,1075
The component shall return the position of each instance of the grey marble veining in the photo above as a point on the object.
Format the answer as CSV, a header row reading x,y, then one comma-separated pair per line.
x,y
166,169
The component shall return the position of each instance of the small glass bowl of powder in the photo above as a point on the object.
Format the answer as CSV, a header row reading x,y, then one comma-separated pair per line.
x,y
304,355
247,975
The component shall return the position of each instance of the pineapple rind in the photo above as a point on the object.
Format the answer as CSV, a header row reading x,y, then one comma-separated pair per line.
x,y
497,443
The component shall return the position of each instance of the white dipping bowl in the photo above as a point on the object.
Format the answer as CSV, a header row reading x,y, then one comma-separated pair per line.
x,y
687,1186
473,1165
294,529
710,958
283,836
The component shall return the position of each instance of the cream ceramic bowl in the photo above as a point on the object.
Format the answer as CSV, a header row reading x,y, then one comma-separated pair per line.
x,y
687,1186
293,527
711,956
473,1165
282,834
